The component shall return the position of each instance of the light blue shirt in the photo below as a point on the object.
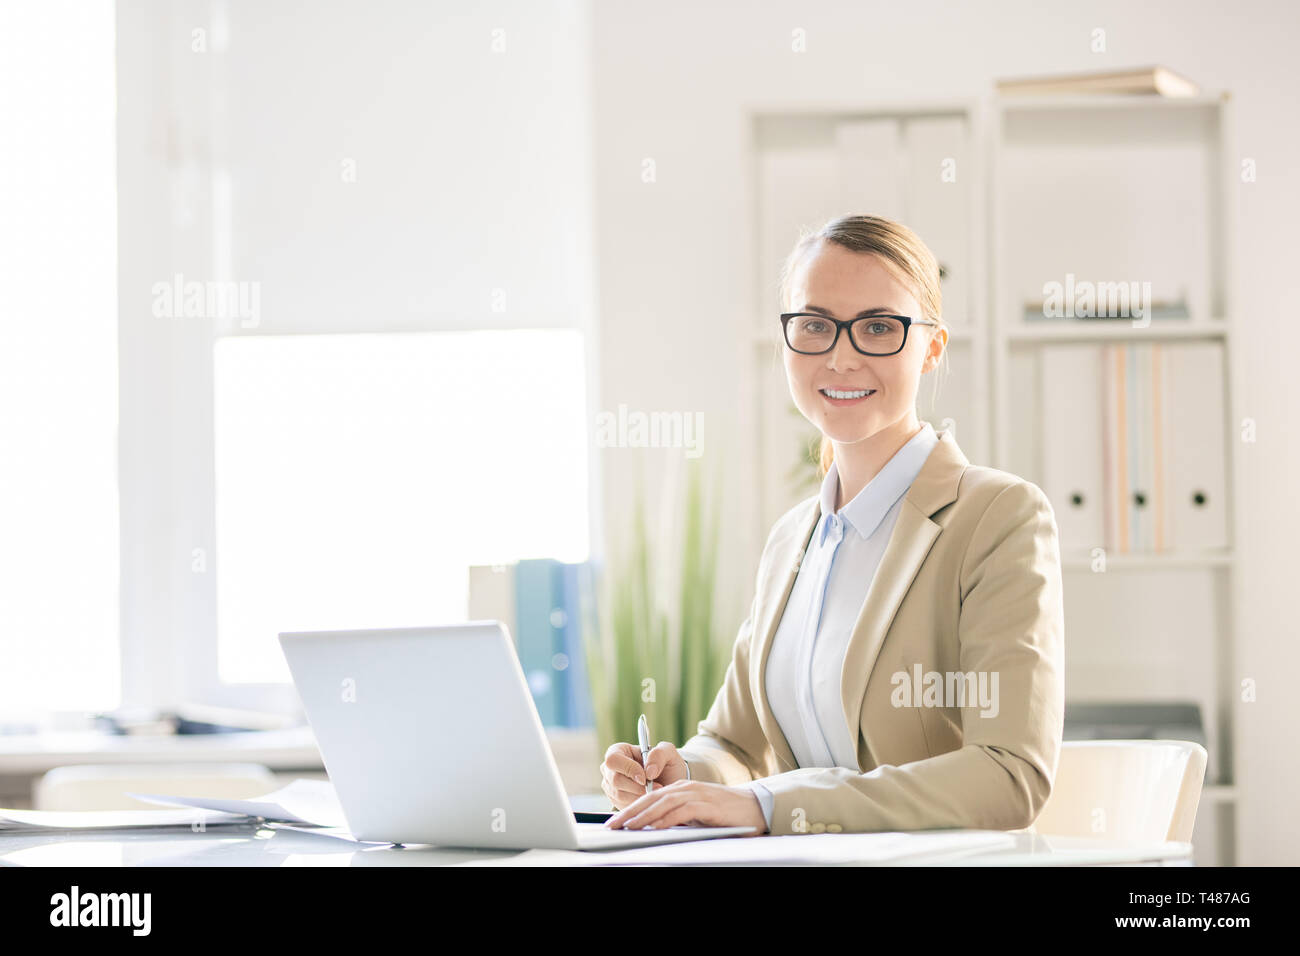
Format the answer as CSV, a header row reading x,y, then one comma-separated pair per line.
x,y
806,663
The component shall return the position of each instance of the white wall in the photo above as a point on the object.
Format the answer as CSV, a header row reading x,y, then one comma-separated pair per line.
x,y
674,81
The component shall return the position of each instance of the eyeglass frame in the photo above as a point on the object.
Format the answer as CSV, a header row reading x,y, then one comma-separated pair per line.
x,y
841,324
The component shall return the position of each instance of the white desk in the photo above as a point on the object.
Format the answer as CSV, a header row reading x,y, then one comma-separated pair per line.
x,y
25,756
291,749
261,846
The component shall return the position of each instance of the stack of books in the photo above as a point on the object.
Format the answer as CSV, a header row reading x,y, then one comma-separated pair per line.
x,y
1158,80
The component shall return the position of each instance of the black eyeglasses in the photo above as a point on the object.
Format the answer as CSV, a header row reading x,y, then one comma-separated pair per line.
x,y
810,333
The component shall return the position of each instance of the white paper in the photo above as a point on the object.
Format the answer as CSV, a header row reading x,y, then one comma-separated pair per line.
x,y
309,802
816,848
12,820
339,833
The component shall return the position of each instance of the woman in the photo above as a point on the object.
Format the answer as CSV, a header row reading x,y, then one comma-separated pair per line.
x,y
902,665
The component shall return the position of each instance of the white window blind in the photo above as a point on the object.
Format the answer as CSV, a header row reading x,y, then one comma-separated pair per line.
x,y
58,359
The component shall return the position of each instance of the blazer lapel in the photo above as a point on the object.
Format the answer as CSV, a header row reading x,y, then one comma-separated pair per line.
x,y
935,486
913,535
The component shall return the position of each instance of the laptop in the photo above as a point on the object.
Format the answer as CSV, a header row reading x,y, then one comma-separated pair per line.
x,y
430,735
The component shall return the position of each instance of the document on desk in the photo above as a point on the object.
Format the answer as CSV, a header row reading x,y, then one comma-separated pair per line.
x,y
13,821
307,802
815,849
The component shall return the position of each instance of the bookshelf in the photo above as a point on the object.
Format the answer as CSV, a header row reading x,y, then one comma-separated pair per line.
x,y
1117,187
1102,186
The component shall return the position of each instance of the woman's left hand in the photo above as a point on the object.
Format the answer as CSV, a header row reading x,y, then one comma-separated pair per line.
x,y
693,803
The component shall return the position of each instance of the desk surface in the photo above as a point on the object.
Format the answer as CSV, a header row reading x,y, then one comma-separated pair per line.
x,y
253,845
291,749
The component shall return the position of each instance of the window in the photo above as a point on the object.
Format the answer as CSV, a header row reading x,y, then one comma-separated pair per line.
x,y
58,359
358,477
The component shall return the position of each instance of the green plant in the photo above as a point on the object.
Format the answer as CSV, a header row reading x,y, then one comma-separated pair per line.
x,y
650,650
803,474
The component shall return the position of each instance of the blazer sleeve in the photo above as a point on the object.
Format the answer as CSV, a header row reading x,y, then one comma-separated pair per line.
x,y
729,746
1011,625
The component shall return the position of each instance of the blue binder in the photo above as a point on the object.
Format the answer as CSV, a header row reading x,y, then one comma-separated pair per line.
x,y
539,640
578,709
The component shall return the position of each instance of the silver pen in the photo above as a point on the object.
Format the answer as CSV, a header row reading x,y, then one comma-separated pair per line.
x,y
643,737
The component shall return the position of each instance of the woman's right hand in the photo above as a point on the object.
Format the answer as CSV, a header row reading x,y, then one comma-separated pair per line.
x,y
623,778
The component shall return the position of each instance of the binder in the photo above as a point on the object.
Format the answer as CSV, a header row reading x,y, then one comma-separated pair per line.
x,y
574,580
539,640
1073,473
1133,450
1115,428
548,599
1131,498
1163,450
1142,494
1194,445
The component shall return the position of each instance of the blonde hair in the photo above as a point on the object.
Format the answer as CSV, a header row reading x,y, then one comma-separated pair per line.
x,y
901,250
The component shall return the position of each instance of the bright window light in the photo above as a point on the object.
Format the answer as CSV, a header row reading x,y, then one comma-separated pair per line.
x,y
358,477
58,359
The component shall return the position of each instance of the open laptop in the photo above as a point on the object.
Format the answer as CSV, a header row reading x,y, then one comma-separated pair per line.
x,y
430,735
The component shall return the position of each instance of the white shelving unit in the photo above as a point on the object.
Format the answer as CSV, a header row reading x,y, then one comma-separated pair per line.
x,y
1134,183
1119,187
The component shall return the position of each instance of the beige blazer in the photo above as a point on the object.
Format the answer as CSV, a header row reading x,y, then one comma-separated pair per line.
x,y
969,584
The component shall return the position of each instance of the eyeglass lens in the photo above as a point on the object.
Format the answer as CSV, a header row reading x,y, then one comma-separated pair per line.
x,y
879,335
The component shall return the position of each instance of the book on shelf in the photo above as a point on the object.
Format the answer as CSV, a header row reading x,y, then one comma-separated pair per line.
x,y
1157,80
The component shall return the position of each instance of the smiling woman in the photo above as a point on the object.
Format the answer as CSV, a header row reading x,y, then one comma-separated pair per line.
x,y
908,555
832,272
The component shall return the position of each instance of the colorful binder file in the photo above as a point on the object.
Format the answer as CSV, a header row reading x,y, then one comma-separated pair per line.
x,y
541,599
1134,446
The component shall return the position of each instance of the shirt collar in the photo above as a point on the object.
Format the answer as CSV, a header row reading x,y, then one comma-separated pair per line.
x,y
869,507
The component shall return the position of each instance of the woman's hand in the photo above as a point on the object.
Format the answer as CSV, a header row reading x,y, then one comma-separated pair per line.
x,y
623,778
693,803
